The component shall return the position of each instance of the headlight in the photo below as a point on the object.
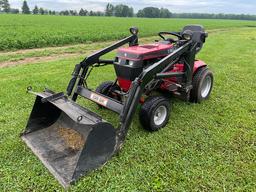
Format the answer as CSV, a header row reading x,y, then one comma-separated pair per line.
x,y
187,35
131,63
134,30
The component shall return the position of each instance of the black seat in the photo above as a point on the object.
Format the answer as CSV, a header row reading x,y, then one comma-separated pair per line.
x,y
194,28
198,34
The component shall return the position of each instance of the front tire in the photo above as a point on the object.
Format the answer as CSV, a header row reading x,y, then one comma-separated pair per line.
x,y
202,85
155,113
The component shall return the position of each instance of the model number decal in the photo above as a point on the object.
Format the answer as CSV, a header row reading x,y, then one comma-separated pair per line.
x,y
99,99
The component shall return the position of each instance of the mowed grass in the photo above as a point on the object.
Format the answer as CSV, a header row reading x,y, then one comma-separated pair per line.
x,y
33,31
205,147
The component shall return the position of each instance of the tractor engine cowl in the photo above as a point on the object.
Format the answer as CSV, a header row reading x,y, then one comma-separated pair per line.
x,y
126,71
131,61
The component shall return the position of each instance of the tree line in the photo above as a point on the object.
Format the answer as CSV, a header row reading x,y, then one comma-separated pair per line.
x,y
120,10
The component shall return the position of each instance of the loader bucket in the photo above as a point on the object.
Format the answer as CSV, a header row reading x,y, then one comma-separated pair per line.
x,y
69,139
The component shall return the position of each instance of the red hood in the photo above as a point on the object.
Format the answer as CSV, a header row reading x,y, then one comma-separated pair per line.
x,y
145,51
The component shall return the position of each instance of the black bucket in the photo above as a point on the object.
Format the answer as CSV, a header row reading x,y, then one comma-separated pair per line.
x,y
69,139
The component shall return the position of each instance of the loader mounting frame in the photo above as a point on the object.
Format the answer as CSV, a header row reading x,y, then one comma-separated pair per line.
x,y
76,86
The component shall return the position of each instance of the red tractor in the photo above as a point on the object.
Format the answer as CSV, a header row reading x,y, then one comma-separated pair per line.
x,y
147,74
176,79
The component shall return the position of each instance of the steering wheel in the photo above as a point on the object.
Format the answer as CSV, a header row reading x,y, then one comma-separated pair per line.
x,y
161,34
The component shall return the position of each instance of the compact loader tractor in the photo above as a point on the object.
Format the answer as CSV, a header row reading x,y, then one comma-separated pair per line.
x,y
147,75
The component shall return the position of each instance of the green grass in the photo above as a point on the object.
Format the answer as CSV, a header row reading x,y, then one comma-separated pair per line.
x,y
30,31
205,147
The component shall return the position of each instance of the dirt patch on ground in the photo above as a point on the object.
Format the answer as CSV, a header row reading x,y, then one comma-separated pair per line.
x,y
37,59
73,139
24,51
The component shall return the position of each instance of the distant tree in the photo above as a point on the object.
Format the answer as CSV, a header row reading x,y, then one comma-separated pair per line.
x,y
52,12
83,12
131,12
35,10
91,13
99,13
5,5
119,10
214,16
41,11
14,11
25,8
140,13
109,10
66,12
73,12
123,11
165,13
149,12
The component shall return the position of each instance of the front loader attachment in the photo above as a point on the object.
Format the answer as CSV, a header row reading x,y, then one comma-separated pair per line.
x,y
71,140
68,139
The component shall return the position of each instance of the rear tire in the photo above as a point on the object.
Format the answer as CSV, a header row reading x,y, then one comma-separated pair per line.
x,y
155,113
202,85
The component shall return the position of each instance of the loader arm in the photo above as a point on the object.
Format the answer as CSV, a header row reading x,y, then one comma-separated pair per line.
x,y
81,69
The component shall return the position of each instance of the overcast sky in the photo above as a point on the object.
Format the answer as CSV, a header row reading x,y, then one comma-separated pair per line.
x,y
202,6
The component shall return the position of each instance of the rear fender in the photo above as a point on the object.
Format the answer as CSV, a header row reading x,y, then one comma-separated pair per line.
x,y
198,64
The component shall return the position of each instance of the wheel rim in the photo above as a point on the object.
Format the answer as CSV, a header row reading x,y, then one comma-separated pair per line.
x,y
206,86
160,115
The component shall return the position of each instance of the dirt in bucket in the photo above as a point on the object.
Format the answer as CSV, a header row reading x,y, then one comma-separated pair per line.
x,y
72,138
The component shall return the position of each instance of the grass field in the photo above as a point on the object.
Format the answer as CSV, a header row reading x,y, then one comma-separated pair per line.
x,y
29,31
205,147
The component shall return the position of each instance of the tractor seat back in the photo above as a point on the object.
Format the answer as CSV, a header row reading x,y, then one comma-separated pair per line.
x,y
198,34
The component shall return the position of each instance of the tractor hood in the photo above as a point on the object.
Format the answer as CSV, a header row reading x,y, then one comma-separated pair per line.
x,y
144,52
